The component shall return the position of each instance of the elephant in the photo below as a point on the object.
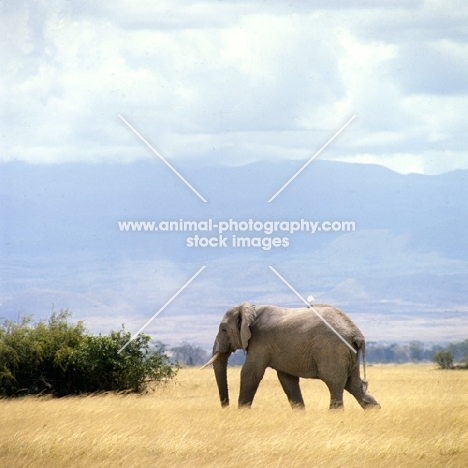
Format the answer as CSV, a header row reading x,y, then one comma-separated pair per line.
x,y
297,344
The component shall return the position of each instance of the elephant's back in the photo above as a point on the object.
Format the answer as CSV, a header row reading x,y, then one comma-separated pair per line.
x,y
336,317
306,320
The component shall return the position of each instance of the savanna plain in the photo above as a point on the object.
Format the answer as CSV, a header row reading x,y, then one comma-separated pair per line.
x,y
423,423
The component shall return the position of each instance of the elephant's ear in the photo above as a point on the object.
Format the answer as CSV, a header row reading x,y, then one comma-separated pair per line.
x,y
247,316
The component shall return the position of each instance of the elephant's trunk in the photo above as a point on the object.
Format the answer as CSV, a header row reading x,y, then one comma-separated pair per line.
x,y
220,370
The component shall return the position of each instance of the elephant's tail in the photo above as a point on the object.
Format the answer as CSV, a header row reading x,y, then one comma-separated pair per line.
x,y
363,351
361,347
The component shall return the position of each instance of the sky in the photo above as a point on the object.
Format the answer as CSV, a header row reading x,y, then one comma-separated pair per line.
x,y
231,83
236,82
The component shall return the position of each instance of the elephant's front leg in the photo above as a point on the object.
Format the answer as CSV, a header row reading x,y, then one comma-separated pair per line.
x,y
251,376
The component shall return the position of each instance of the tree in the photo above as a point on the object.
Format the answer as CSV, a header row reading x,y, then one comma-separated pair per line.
x,y
400,353
416,350
189,354
444,359
459,350
96,365
59,357
32,356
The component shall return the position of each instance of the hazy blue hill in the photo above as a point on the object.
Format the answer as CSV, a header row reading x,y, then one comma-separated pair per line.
x,y
59,235
58,207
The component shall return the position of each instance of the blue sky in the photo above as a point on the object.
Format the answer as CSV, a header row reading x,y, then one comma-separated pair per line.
x,y
232,83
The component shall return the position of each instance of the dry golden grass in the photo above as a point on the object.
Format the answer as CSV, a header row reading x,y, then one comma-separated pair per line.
x,y
423,423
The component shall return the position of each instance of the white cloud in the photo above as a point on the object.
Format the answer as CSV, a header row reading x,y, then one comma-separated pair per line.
x,y
235,82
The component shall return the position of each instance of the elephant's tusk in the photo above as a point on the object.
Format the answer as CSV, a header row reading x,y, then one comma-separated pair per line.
x,y
213,359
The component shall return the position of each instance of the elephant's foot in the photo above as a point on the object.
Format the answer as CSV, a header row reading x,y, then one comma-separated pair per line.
x,y
336,404
370,406
297,405
243,405
369,402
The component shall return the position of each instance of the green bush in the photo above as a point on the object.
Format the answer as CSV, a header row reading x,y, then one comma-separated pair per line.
x,y
59,357
33,356
444,359
97,365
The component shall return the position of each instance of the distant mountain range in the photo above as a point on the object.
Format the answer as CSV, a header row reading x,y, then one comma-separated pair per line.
x,y
402,274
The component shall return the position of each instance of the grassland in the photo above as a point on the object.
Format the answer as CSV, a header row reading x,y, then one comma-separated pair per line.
x,y
423,423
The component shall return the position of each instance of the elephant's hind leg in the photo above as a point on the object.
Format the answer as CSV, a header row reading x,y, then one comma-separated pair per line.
x,y
290,385
336,395
356,387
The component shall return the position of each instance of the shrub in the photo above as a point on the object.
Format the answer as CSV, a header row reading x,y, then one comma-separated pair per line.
x,y
97,366
444,359
59,357
32,357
